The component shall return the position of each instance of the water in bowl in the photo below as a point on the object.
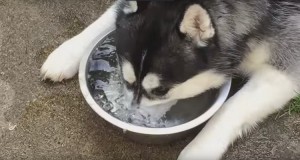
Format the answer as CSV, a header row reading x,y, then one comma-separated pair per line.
x,y
106,85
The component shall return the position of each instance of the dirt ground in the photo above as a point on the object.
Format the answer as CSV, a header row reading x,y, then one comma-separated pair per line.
x,y
41,120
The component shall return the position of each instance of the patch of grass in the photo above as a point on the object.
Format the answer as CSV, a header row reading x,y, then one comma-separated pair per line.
x,y
291,108
294,106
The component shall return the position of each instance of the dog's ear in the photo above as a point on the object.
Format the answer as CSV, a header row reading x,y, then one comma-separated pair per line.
x,y
135,6
197,24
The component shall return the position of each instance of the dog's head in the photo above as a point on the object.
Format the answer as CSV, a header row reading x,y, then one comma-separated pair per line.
x,y
165,49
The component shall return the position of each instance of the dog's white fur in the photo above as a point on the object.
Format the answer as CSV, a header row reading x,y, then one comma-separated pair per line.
x,y
190,88
261,96
63,62
151,81
266,92
128,72
257,59
131,8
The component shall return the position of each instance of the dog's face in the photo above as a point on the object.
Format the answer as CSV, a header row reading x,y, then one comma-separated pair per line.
x,y
165,51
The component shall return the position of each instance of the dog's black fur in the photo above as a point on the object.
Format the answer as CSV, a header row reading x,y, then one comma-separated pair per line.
x,y
160,21
154,29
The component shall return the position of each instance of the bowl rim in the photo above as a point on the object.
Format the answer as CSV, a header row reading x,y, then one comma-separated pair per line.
x,y
223,94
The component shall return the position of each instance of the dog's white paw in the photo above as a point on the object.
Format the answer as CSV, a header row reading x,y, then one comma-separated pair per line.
x,y
202,150
188,154
198,154
63,62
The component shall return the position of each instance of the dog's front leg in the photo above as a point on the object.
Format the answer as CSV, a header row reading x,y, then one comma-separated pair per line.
x,y
63,62
266,92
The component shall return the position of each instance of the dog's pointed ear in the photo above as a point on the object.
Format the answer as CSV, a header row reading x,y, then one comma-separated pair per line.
x,y
197,25
135,6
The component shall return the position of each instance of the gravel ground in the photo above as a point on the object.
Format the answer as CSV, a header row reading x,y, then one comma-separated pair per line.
x,y
41,120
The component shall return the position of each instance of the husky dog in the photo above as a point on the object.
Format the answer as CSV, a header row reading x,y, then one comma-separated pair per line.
x,y
178,49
